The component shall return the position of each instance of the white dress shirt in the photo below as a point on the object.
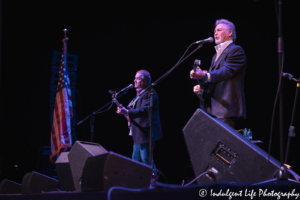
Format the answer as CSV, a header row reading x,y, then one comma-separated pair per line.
x,y
220,48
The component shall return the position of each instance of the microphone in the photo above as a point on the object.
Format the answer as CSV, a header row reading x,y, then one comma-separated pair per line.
x,y
210,39
127,88
290,76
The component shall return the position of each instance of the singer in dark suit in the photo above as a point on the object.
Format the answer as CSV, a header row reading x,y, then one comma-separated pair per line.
x,y
225,79
139,118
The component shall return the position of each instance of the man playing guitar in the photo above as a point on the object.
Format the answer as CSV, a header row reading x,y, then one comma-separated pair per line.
x,y
138,118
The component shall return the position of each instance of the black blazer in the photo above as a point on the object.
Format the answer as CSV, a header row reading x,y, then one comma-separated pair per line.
x,y
140,120
226,84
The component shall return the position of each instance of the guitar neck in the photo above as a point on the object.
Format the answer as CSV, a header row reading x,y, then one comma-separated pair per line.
x,y
116,102
194,68
126,116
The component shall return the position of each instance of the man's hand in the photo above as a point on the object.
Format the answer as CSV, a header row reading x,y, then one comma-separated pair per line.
x,y
122,110
199,74
197,89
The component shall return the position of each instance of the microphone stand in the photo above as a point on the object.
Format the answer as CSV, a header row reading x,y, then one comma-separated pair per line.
x,y
280,68
92,115
283,172
292,128
150,88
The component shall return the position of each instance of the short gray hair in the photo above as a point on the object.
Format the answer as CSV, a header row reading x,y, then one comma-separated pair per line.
x,y
230,26
146,75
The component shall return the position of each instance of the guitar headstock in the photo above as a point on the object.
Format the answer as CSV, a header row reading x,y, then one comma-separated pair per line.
x,y
197,62
114,98
113,95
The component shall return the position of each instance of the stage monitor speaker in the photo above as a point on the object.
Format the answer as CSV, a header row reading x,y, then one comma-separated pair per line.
x,y
10,187
77,158
111,169
215,146
34,182
64,172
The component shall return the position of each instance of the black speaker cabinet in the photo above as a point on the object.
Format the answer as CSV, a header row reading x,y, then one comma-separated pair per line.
x,y
34,182
10,187
64,172
111,169
214,145
77,158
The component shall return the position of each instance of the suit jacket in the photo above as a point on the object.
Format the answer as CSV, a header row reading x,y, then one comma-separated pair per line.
x,y
226,84
140,120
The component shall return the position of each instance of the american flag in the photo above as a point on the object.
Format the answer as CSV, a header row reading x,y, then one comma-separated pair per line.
x,y
63,112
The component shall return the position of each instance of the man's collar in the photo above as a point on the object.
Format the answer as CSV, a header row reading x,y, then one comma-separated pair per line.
x,y
138,89
222,46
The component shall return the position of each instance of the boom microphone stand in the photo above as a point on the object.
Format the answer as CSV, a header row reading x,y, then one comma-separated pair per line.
x,y
283,171
92,115
150,88
292,128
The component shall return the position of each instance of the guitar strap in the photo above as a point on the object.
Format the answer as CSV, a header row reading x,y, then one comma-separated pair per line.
x,y
131,105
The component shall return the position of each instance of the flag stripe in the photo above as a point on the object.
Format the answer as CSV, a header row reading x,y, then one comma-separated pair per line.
x,y
63,112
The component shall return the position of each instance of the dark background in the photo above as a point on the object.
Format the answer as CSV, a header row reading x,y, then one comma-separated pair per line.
x,y
113,40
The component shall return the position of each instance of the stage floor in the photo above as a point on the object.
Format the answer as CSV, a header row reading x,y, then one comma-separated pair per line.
x,y
220,190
